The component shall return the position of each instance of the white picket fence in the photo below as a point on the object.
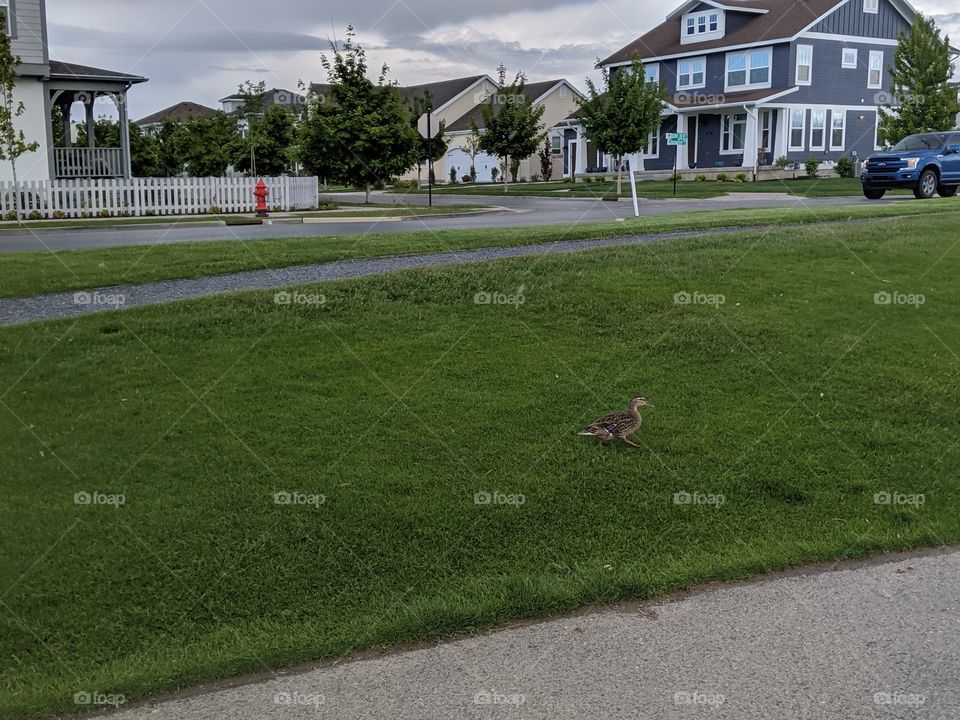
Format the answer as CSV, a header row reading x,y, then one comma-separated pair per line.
x,y
143,197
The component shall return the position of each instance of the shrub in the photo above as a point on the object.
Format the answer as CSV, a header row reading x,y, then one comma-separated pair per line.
x,y
59,215
149,212
86,215
534,178
36,215
700,178
845,167
782,162
721,177
495,173
567,181
214,210
103,214
812,165
676,176
740,177
453,176
11,215
277,208
587,180
466,179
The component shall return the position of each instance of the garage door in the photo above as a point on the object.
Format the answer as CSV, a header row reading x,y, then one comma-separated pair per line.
x,y
485,164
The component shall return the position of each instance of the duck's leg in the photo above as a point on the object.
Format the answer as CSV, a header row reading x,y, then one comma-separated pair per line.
x,y
630,442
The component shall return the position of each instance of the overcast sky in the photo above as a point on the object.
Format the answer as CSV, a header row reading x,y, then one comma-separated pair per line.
x,y
201,50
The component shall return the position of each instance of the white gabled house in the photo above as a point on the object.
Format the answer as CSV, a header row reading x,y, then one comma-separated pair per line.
x,y
44,85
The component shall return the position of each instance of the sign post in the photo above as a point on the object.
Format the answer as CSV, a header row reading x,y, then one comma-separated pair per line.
x,y
425,126
677,140
633,189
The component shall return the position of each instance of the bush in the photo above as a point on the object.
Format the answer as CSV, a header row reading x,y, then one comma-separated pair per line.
x,y
453,176
782,162
404,184
494,174
568,181
466,179
150,212
812,165
740,177
214,210
676,176
845,167
59,215
721,177
587,180
11,215
534,178
700,178
86,215
103,214
36,215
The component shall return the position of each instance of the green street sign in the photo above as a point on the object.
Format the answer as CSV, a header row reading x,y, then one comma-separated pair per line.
x,y
676,138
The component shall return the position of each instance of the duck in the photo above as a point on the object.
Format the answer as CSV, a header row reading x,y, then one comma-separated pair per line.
x,y
618,425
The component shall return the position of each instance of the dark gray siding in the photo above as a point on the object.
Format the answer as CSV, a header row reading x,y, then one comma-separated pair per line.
x,y
860,138
667,152
850,19
832,83
782,66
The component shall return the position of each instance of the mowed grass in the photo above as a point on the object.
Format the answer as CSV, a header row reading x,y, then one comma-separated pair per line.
x,y
400,399
23,274
828,186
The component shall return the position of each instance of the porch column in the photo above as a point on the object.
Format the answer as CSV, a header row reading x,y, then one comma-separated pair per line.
x,y
751,141
91,123
67,124
683,153
125,134
581,153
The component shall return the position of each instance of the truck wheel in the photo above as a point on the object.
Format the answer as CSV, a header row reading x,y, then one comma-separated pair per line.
x,y
873,193
927,185
947,190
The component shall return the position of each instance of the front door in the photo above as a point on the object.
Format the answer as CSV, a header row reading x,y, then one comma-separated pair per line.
x,y
692,140
766,138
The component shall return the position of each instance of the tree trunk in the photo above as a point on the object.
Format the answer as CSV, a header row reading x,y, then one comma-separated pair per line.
x,y
506,176
420,176
619,178
16,190
369,188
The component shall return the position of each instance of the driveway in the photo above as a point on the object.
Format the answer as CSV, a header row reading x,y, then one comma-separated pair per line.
x,y
514,212
865,641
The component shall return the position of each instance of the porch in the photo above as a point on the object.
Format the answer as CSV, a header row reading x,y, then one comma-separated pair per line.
x,y
98,93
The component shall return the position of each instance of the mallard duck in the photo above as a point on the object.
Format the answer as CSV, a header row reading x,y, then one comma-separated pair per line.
x,y
618,425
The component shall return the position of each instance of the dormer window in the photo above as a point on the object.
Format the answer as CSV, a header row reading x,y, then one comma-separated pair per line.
x,y
701,26
871,6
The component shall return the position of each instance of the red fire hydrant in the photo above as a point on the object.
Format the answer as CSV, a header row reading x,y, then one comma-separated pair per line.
x,y
261,194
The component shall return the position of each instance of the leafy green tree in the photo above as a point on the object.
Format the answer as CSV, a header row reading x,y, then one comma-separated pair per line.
x,y
370,125
472,148
13,141
271,139
208,146
144,150
922,98
512,126
619,120
546,160
316,144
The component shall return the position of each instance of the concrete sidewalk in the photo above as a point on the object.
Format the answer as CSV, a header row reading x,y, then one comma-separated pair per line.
x,y
870,640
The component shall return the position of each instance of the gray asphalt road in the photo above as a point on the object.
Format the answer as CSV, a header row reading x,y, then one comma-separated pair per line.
x,y
516,212
860,643
18,311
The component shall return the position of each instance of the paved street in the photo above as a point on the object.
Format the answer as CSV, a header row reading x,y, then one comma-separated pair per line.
x,y
870,640
515,212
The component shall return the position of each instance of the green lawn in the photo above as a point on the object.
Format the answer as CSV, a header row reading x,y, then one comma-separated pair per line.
x,y
400,400
39,272
657,189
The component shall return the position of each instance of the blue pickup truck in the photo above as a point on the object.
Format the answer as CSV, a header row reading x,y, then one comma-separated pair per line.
x,y
927,163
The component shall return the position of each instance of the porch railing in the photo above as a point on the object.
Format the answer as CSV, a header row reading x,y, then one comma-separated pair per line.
x,y
83,162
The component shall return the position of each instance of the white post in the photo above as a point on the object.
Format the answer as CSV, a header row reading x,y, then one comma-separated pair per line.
x,y
751,146
683,159
581,153
633,189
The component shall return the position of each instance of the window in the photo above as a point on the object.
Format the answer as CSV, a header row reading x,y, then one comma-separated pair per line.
x,y
850,58
871,6
652,150
556,143
804,64
838,129
875,78
798,121
563,91
652,72
766,131
698,27
818,125
7,11
734,133
691,73
748,69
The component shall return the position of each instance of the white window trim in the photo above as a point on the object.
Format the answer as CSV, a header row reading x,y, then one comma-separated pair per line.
x,y
823,143
790,128
838,112
871,7
656,155
697,37
748,68
693,86
742,150
10,8
809,80
652,72
843,60
873,54
876,132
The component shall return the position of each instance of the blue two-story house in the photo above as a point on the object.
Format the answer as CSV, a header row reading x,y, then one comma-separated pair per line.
x,y
750,81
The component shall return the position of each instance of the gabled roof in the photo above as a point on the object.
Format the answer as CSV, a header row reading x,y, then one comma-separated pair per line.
x,y
71,71
181,112
784,20
532,92
444,91
745,6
